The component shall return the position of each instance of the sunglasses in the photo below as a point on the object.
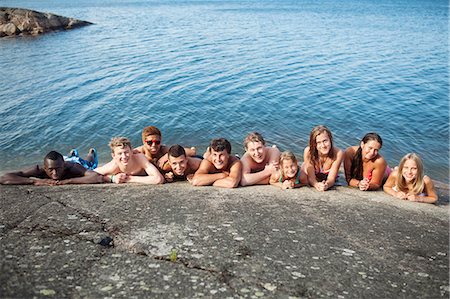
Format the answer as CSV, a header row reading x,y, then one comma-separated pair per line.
x,y
150,142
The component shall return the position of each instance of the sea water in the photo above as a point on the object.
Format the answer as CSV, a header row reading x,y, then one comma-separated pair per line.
x,y
206,69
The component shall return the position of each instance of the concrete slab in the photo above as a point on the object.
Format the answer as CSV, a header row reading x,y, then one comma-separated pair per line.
x,y
177,241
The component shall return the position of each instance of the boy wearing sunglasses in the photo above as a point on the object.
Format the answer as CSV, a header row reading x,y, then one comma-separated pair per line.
x,y
221,169
128,166
153,149
55,171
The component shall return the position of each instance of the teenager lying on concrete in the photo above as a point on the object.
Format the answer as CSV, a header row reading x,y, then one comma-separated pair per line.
x,y
153,149
220,169
55,171
127,166
179,167
259,161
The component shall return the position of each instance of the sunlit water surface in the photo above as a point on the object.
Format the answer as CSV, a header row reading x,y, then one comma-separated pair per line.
x,y
205,69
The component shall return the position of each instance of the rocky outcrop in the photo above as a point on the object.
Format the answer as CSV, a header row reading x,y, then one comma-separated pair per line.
x,y
18,21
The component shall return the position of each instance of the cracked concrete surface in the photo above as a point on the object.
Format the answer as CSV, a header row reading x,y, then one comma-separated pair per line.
x,y
116,242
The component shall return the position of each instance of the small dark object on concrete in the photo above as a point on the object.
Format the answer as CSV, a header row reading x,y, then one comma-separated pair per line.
x,y
107,242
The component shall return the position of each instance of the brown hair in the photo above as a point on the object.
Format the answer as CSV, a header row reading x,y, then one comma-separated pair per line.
x,y
150,130
313,152
220,144
119,142
176,151
356,169
253,137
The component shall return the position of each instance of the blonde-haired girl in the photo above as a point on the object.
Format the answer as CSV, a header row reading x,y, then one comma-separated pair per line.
x,y
409,183
290,176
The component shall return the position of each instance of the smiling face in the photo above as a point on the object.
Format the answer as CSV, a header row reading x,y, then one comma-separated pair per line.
x,y
220,159
152,143
410,170
289,168
257,151
323,144
121,155
178,164
370,149
54,168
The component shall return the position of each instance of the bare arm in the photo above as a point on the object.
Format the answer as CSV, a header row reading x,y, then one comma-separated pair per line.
x,y
430,197
22,177
379,169
275,180
153,177
256,178
348,157
334,169
107,169
389,186
233,178
89,177
202,177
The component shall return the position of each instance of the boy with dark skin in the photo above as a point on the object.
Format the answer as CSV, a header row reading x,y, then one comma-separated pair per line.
x,y
179,167
55,171
221,169
154,150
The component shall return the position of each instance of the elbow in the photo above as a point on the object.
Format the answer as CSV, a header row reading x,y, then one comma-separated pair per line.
x,y
195,181
244,182
159,180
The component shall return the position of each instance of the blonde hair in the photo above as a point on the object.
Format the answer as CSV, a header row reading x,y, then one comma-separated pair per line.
x,y
253,137
287,155
119,142
418,184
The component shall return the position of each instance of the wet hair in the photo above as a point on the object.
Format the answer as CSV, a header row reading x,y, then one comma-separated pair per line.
x,y
119,142
418,183
313,152
253,137
53,155
176,151
357,164
150,130
220,144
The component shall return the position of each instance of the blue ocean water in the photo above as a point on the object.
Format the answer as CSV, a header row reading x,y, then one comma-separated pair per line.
x,y
205,69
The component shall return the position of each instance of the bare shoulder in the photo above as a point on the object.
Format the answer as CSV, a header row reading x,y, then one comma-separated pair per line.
x,y
139,149
427,180
163,149
274,152
74,168
380,161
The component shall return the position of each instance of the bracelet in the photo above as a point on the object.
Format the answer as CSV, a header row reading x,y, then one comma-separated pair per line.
x,y
111,178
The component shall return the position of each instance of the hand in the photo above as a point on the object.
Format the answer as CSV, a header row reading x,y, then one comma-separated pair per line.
x,y
321,186
162,161
45,182
189,177
412,197
401,195
364,184
121,178
169,177
288,184
271,167
136,151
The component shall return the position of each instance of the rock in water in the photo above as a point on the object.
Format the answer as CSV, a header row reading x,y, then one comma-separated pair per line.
x,y
18,21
